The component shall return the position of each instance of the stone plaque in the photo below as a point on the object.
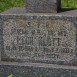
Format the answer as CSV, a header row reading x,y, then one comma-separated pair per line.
x,y
49,39
41,6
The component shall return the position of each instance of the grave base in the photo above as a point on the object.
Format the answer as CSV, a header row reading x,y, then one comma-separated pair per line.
x,y
15,11
36,70
23,11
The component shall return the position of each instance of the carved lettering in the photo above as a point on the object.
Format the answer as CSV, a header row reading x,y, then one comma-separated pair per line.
x,y
52,40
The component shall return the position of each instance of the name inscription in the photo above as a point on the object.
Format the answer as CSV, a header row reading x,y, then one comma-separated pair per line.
x,y
52,40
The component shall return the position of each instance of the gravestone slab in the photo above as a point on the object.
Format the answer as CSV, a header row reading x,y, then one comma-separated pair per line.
x,y
41,6
36,70
71,13
15,10
38,38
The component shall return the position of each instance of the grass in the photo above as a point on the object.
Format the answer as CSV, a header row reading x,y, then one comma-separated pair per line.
x,y
10,75
69,3
7,4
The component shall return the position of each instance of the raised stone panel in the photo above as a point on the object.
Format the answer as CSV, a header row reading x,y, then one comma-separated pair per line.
x,y
41,6
39,38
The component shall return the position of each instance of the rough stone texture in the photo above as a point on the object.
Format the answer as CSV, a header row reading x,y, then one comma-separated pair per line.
x,y
15,11
41,6
71,12
36,70
23,11
39,38
52,37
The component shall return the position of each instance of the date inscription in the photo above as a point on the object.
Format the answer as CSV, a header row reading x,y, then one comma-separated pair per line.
x,y
52,40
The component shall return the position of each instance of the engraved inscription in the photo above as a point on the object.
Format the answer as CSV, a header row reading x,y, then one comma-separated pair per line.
x,y
52,40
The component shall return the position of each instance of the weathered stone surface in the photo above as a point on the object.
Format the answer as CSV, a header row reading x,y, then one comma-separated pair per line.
x,y
38,38
36,70
70,12
41,6
15,10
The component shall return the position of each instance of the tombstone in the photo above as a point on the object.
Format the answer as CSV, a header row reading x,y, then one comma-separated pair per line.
x,y
41,6
27,39
38,44
38,39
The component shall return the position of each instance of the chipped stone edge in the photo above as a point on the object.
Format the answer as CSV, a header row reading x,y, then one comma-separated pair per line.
x,y
42,65
38,14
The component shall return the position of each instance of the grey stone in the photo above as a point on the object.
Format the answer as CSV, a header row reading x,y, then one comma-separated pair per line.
x,y
15,10
39,38
23,11
71,12
41,6
36,70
